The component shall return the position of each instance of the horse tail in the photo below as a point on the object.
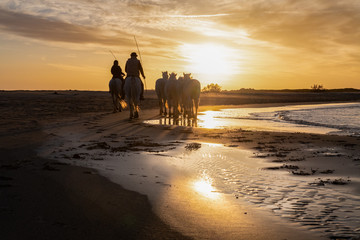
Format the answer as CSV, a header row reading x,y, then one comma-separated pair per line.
x,y
123,103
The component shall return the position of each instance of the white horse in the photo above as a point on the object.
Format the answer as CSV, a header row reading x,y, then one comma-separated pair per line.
x,y
132,89
160,92
115,88
191,96
180,88
171,94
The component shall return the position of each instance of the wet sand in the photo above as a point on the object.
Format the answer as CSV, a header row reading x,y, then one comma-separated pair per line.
x,y
55,200
45,199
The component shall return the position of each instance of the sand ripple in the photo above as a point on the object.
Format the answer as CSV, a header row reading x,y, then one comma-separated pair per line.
x,y
329,209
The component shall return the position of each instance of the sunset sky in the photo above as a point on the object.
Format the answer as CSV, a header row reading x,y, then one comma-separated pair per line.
x,y
261,44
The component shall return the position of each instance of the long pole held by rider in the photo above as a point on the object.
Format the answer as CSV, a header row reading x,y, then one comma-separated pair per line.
x,y
137,46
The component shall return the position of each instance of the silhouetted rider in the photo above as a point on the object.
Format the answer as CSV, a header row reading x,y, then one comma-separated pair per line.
x,y
133,68
117,72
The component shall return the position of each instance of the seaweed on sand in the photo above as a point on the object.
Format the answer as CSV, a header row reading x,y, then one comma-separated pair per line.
x,y
193,146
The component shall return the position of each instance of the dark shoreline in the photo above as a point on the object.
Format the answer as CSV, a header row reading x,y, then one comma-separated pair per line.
x,y
44,199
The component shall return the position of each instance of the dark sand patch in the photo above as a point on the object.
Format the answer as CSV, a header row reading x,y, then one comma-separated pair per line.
x,y
45,199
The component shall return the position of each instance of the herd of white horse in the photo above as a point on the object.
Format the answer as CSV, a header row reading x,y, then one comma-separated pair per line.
x,y
176,96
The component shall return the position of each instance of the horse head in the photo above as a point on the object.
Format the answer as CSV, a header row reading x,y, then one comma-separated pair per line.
x,y
172,76
187,76
165,75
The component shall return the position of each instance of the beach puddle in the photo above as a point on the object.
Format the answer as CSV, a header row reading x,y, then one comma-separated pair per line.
x,y
212,190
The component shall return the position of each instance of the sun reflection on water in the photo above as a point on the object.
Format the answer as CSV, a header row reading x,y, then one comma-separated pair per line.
x,y
204,187
208,120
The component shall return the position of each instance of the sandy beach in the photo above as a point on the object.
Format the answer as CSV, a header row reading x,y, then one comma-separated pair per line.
x,y
72,169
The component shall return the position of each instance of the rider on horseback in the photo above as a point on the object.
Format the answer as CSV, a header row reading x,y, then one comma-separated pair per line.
x,y
133,68
117,72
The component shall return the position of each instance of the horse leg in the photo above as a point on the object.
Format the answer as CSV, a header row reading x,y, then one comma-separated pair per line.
x,y
119,102
131,111
169,108
160,106
172,108
164,106
136,114
192,108
186,108
196,107
136,110
176,109
114,102
181,108
171,112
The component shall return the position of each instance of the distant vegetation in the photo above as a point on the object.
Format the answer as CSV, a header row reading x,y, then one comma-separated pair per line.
x,y
215,88
212,88
251,90
317,87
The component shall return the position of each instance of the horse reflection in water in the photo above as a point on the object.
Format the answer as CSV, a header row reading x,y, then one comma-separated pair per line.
x,y
179,121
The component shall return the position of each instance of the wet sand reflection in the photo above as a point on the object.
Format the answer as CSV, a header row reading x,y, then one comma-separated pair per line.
x,y
238,117
180,121
204,186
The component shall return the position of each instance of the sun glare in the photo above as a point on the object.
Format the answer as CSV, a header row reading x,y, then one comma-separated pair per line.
x,y
208,62
207,119
209,58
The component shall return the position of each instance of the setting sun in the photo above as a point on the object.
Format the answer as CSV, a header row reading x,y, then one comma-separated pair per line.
x,y
209,58
209,61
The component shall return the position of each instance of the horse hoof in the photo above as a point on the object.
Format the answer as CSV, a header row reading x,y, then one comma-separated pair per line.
x,y
136,115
